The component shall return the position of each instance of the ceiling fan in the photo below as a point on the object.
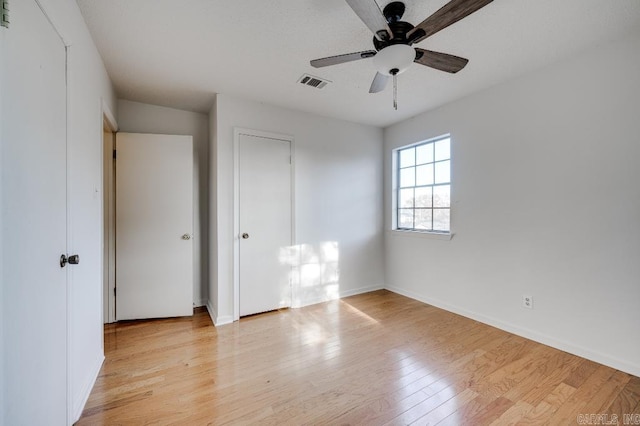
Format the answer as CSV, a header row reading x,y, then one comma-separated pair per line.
x,y
393,39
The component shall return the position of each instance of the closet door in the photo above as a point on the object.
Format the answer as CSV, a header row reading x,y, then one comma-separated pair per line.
x,y
265,223
34,219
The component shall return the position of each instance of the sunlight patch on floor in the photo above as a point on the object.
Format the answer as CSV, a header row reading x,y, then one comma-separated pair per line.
x,y
359,313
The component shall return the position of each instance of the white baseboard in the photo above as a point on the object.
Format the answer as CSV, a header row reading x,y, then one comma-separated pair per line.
x,y
217,320
200,303
360,290
82,397
212,312
342,294
228,319
527,333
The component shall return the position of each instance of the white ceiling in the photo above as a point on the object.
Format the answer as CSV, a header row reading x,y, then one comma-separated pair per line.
x,y
179,53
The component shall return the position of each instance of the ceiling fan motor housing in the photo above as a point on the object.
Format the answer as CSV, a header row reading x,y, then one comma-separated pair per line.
x,y
393,13
399,30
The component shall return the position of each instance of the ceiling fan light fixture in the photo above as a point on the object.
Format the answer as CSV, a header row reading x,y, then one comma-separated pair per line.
x,y
394,59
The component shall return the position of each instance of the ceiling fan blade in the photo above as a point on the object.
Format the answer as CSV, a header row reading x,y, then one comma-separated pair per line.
x,y
440,61
341,59
379,83
369,12
448,14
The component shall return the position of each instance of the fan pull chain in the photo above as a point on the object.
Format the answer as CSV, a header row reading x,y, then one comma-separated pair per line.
x,y
395,91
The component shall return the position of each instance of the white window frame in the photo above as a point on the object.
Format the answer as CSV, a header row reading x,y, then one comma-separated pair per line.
x,y
395,230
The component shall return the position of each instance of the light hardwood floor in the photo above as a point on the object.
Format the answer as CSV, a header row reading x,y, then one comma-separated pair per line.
x,y
371,359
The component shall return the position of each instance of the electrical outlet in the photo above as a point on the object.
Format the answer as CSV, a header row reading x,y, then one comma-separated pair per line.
x,y
527,301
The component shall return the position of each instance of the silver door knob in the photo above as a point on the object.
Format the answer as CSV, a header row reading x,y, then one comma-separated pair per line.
x,y
186,237
245,236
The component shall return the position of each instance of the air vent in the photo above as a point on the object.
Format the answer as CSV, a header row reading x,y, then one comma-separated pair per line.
x,y
309,80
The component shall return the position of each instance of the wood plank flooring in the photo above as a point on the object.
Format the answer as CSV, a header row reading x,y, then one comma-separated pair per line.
x,y
372,359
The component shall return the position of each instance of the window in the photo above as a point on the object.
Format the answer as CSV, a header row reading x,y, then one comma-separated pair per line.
x,y
423,198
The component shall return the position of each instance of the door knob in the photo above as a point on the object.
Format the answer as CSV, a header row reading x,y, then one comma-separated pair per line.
x,y
245,236
186,237
72,260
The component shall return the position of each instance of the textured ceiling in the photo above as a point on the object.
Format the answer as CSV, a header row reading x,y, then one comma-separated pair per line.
x,y
180,53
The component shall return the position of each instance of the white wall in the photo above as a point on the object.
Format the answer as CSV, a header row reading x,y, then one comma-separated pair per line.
x,y
338,196
546,202
135,117
88,86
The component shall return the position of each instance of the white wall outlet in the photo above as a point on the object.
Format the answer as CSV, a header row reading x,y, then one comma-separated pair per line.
x,y
527,301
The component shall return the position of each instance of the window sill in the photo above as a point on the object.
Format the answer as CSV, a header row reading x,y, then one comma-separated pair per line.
x,y
422,234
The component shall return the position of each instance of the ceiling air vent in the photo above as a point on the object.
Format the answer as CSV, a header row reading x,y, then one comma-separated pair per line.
x,y
309,80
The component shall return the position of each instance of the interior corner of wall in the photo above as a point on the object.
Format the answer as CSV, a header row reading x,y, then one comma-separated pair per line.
x,y
109,115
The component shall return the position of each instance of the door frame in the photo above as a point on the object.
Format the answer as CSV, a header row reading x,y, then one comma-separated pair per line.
x,y
108,220
237,132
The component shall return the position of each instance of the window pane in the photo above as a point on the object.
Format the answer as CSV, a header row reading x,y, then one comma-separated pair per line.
x,y
405,218
441,219
407,157
407,177
424,190
443,174
423,196
443,150
424,175
406,198
442,196
424,154
423,219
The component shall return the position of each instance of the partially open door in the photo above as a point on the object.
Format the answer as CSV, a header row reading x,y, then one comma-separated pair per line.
x,y
154,225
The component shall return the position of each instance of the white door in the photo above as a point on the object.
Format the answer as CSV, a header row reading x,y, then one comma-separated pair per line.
x,y
34,219
154,225
264,202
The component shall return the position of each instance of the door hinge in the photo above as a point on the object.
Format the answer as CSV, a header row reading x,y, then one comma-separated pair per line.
x,y
290,160
114,291
4,13
114,154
